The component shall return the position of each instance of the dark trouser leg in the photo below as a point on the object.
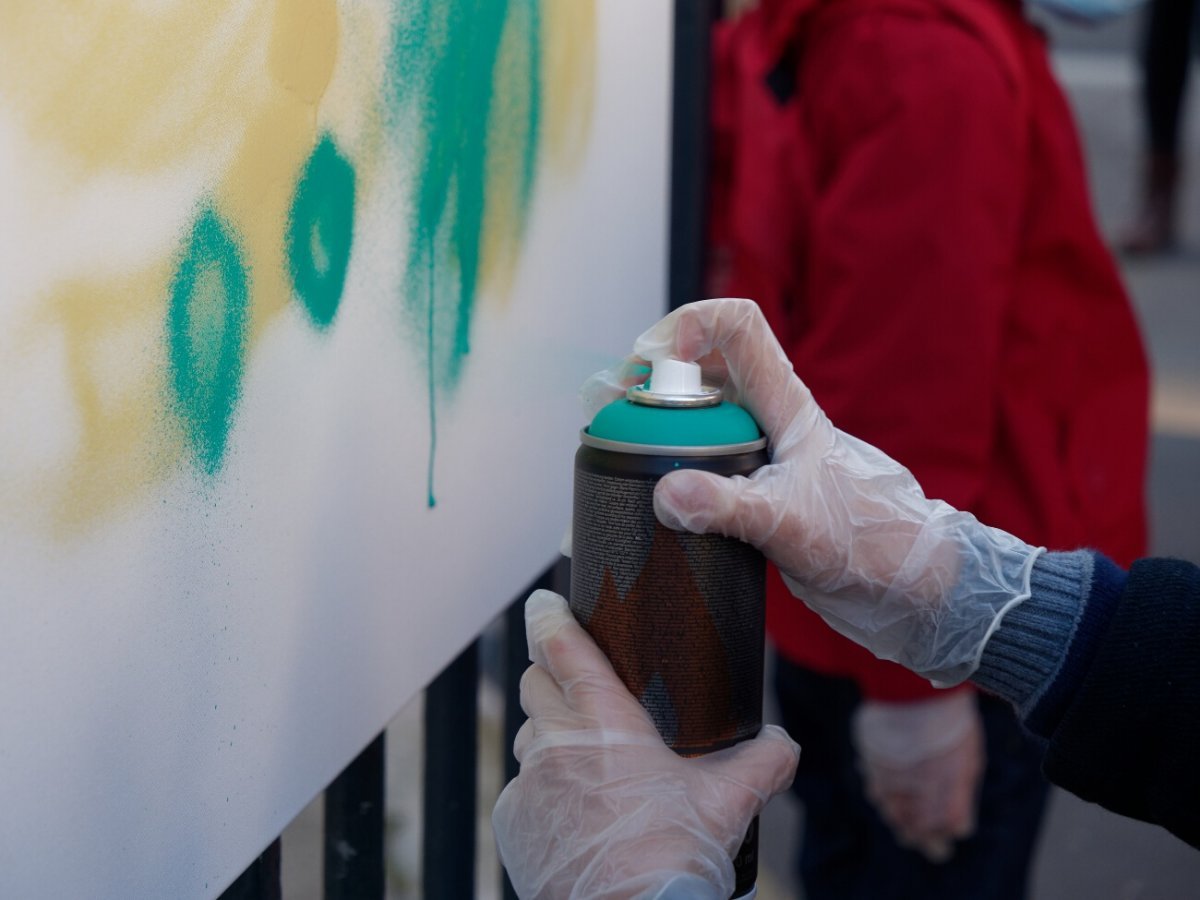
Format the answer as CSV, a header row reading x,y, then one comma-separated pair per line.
x,y
847,853
1166,57
837,841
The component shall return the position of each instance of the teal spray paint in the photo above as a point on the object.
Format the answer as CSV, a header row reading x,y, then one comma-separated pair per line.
x,y
681,616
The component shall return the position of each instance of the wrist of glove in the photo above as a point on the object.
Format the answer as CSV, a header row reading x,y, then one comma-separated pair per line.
x,y
922,764
911,579
602,808
927,592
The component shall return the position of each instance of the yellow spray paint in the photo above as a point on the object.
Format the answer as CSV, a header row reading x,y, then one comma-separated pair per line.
x,y
247,97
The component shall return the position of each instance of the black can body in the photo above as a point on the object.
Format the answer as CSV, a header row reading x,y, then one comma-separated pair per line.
x,y
681,616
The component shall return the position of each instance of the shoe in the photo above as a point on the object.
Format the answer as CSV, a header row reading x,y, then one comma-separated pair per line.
x,y
1153,231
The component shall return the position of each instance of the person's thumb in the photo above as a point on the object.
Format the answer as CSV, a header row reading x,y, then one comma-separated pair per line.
x,y
701,502
752,772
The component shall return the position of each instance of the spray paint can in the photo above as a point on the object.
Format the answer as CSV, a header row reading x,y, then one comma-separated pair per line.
x,y
681,616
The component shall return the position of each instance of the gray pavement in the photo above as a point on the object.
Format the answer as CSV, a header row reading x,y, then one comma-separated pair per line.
x,y
1085,851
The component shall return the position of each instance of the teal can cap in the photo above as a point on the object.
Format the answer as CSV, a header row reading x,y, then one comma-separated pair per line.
x,y
707,426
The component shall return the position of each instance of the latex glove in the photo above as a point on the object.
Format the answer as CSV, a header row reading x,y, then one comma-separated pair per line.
x,y
602,807
911,579
922,763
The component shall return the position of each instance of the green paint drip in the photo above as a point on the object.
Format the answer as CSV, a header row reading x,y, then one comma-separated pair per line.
x,y
432,395
454,118
451,101
321,231
206,337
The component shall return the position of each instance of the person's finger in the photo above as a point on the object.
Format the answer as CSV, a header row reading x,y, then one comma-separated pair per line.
x,y
765,382
715,371
590,689
963,826
964,771
902,810
559,644
938,850
753,771
959,816
525,735
546,613
541,695
955,819
701,502
935,845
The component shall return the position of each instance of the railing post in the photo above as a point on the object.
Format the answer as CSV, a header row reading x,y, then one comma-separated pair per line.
x,y
261,879
691,71
451,727
354,815
516,661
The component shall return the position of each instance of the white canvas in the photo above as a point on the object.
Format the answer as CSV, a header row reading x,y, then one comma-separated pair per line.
x,y
208,607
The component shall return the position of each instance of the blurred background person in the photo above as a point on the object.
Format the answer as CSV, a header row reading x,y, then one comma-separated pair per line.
x,y
1168,40
900,186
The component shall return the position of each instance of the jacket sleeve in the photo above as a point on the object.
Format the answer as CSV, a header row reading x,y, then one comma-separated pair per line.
x,y
917,167
1129,738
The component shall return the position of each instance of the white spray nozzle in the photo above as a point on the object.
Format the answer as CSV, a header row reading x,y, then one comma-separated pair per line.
x,y
674,376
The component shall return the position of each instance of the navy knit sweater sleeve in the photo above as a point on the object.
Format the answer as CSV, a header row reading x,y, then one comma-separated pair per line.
x,y
1105,666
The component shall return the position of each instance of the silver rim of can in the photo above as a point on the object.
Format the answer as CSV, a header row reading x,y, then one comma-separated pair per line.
x,y
708,396
663,450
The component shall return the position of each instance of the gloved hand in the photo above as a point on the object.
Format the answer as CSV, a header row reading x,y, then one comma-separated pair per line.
x,y
602,807
911,579
922,763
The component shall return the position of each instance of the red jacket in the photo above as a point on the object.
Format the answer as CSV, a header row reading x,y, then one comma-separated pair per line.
x,y
900,186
